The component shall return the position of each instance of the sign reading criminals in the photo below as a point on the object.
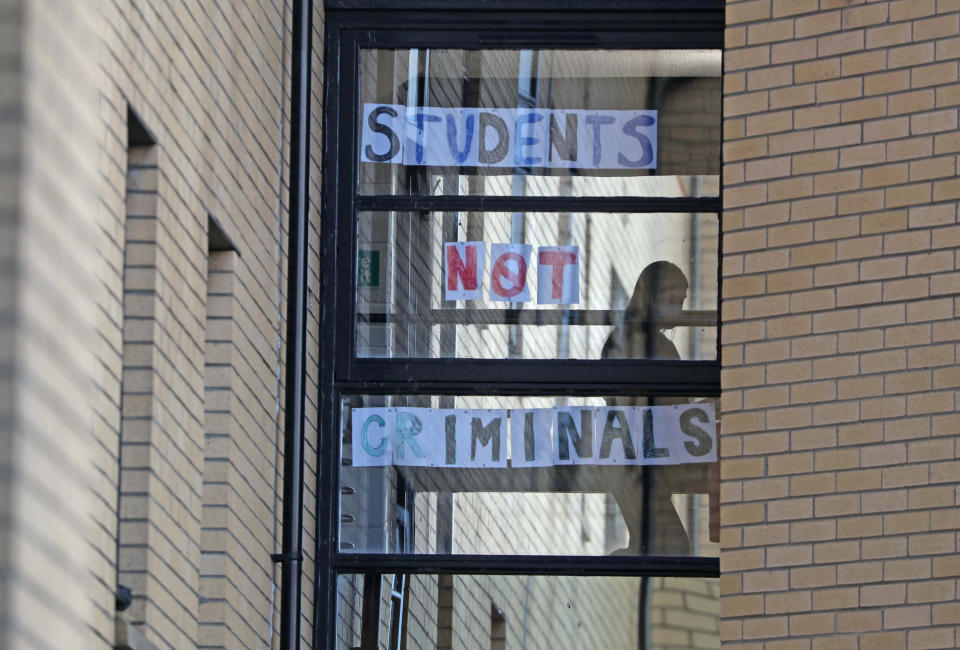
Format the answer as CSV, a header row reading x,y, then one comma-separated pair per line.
x,y
570,435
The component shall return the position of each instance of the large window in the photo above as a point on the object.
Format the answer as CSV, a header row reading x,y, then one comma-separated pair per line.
x,y
520,370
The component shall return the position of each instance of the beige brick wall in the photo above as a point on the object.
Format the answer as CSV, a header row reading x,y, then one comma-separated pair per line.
x,y
47,157
107,355
840,329
211,82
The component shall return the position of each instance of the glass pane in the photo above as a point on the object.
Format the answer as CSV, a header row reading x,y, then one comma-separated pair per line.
x,y
467,612
528,475
567,286
540,122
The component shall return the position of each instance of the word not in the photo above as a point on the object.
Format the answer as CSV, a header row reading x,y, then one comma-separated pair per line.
x,y
558,272
509,137
575,435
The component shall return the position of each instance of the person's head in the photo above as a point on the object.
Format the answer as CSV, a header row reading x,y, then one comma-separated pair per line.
x,y
659,292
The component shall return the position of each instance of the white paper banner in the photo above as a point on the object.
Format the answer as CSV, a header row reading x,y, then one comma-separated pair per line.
x,y
372,436
382,130
415,435
616,439
655,447
509,137
573,435
508,272
690,431
474,438
463,270
558,275
573,429
531,437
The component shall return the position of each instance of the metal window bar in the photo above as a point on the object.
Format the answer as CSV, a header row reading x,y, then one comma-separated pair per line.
x,y
398,611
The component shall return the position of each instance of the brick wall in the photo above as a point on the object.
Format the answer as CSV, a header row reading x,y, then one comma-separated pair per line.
x,y
211,83
141,378
47,162
840,335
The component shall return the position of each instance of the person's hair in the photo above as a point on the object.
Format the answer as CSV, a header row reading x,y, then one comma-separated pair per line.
x,y
656,277
636,318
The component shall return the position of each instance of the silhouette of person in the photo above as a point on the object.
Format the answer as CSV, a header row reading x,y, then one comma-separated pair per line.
x,y
643,493
656,302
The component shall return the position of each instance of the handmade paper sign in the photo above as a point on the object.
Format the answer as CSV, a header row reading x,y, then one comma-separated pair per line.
x,y
415,436
691,432
558,275
657,447
573,435
616,440
508,272
509,137
383,125
475,438
531,437
569,435
372,436
463,269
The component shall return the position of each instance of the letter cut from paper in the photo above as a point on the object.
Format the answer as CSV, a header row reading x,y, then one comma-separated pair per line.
x,y
371,429
474,438
558,275
508,272
382,129
417,437
486,438
692,428
656,435
616,438
573,428
463,270
531,437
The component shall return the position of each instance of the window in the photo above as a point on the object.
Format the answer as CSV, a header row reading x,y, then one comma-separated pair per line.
x,y
520,309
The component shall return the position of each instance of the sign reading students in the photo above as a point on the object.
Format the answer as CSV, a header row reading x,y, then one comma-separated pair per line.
x,y
509,137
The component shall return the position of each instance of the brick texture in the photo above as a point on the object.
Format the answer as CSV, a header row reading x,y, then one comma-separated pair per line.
x,y
840,433
48,155
189,342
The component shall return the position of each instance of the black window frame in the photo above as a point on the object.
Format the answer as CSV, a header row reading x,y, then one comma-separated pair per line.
x,y
352,25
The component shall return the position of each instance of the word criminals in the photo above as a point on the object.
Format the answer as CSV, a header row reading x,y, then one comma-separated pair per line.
x,y
571,435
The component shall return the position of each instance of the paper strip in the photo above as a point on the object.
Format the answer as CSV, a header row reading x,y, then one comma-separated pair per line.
x,y
531,437
509,137
508,272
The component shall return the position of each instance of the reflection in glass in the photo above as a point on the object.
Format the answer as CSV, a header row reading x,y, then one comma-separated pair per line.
x,y
575,509
529,612
402,311
683,86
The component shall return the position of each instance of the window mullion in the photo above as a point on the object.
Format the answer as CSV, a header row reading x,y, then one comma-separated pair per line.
x,y
626,204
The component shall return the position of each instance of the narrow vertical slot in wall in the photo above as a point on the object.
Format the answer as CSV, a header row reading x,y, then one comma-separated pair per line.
x,y
445,611
498,628
220,596
139,291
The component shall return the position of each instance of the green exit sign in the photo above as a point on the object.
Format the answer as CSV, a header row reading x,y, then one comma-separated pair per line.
x,y
368,268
